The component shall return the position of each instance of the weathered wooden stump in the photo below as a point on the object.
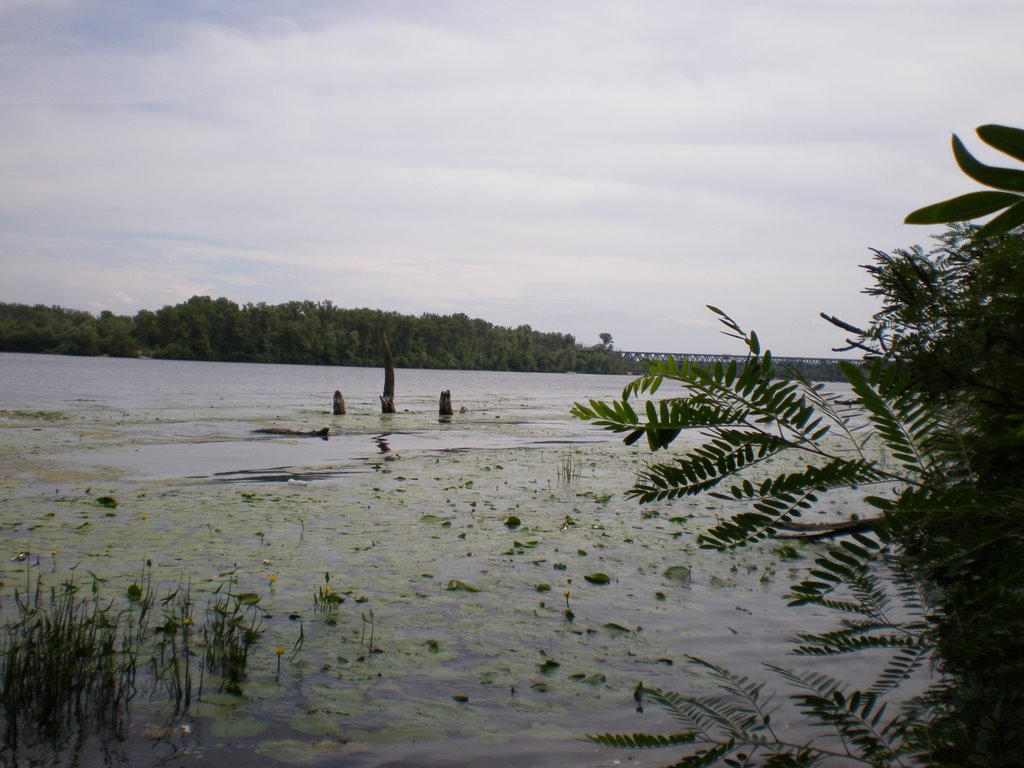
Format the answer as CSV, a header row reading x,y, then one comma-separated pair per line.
x,y
339,403
387,400
444,407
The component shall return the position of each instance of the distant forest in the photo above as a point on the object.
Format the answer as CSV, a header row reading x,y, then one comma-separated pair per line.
x,y
299,332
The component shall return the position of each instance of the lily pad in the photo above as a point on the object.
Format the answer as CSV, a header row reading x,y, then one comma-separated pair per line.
x,y
433,519
237,728
598,578
678,573
316,723
460,586
297,751
616,628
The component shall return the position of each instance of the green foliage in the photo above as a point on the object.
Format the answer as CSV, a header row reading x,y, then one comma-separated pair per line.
x,y
742,726
952,319
67,663
751,414
944,403
69,658
976,204
325,598
848,579
232,627
306,332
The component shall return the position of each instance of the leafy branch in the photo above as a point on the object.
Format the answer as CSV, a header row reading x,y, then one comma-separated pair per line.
x,y
1009,181
749,413
746,414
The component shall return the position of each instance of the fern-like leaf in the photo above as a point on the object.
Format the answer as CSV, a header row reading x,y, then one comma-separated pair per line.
x,y
641,740
857,716
899,414
904,663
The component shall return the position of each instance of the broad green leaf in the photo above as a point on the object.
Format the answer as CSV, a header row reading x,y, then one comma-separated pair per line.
x,y
989,175
1007,221
1005,139
962,208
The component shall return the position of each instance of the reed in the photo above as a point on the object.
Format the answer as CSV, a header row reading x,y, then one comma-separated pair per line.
x,y
68,661
69,657
570,470
233,623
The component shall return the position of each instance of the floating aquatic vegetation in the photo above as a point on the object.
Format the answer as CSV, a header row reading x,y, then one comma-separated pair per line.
x,y
406,554
460,586
678,573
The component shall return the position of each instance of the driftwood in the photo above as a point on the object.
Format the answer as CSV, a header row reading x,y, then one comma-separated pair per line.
x,y
321,433
387,400
339,403
444,407
815,531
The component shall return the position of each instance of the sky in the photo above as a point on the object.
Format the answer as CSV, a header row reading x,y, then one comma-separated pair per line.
x,y
579,166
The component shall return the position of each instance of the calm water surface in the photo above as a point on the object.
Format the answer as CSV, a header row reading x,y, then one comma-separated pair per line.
x,y
400,511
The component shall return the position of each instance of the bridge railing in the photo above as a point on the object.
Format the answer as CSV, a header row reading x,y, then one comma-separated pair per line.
x,y
817,368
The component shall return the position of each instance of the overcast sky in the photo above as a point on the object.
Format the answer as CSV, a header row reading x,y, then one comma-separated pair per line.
x,y
581,166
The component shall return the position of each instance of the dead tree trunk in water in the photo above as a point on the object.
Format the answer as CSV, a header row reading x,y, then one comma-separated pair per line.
x,y
444,407
387,400
339,403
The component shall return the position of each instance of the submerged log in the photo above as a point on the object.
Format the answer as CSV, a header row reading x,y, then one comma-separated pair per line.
x,y
321,433
444,407
387,400
815,531
338,406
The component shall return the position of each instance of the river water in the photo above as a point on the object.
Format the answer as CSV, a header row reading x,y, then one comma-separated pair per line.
x,y
456,544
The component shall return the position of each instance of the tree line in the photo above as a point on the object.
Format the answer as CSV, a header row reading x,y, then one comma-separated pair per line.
x,y
299,332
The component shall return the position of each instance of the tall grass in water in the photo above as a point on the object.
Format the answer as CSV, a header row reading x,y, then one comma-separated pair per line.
x,y
570,469
68,657
67,662
232,626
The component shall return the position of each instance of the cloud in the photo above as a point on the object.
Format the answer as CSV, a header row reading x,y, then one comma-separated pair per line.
x,y
581,167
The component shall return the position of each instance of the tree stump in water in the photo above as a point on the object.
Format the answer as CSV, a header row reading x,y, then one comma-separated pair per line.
x,y
387,400
444,408
339,403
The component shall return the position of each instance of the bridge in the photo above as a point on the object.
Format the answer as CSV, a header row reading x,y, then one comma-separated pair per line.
x,y
814,368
